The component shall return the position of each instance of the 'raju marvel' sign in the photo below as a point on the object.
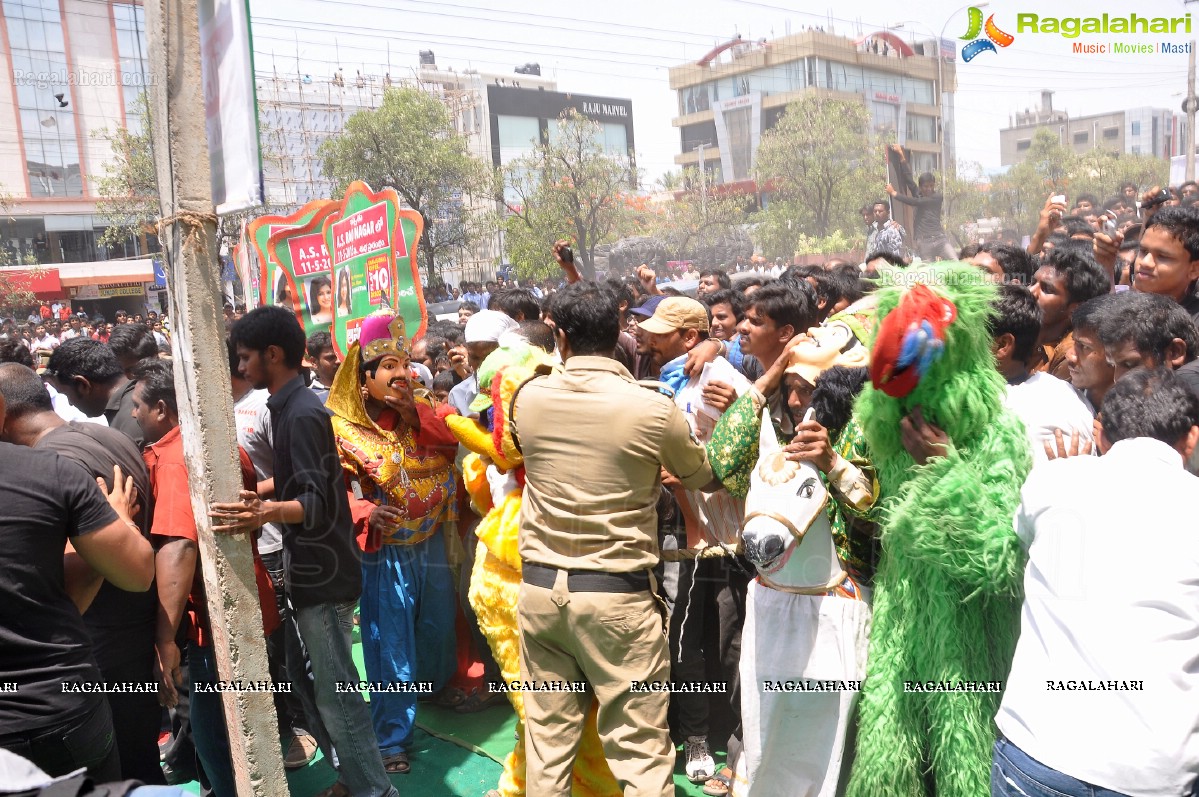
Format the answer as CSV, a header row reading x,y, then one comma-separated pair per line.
x,y
362,233
604,109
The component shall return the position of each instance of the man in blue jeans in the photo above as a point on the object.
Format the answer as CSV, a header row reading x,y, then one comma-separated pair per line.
x,y
323,564
1100,698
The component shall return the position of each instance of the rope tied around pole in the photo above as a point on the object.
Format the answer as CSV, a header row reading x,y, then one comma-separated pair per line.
x,y
194,221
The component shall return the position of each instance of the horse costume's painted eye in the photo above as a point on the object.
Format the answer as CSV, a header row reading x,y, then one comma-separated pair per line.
x,y
807,489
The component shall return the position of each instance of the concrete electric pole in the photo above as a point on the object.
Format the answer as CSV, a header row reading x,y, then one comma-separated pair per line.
x,y
187,232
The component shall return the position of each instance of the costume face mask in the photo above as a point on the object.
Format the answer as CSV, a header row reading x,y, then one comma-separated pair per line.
x,y
826,346
389,377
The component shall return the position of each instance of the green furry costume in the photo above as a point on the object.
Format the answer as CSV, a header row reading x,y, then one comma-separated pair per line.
x,y
948,588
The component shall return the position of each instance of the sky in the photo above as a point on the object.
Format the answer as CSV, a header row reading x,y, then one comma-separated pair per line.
x,y
624,48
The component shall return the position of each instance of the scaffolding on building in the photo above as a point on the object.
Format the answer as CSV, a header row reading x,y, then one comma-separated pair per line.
x,y
299,111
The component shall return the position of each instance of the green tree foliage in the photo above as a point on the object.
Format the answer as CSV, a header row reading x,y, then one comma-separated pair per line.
x,y
1053,168
567,188
697,218
818,161
128,188
777,231
966,198
409,143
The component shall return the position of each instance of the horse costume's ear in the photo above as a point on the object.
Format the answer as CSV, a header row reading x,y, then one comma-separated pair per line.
x,y
767,442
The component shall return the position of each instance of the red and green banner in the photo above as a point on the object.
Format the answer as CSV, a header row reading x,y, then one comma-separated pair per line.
x,y
276,288
304,262
373,246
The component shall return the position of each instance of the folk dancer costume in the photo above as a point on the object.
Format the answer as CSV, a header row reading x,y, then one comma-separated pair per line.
x,y
803,652
494,477
948,591
407,604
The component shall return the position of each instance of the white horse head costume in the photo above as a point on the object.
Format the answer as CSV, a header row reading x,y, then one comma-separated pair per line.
x,y
786,533
786,502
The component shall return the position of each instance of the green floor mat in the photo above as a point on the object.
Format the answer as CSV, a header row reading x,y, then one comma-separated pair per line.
x,y
490,732
439,769
453,754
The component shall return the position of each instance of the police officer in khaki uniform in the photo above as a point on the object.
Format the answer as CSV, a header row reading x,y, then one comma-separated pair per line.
x,y
594,444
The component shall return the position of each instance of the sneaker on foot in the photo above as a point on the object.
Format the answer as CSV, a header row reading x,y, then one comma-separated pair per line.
x,y
700,764
300,752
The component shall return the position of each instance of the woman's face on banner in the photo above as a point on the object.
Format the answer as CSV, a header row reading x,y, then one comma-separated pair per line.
x,y
324,298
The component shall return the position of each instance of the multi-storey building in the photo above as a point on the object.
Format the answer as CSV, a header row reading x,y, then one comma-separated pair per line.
x,y
1134,131
76,69
724,106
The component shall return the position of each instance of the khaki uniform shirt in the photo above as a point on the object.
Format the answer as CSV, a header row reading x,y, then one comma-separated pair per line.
x,y
594,442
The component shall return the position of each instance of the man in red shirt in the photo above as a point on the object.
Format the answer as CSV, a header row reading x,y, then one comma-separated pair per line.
x,y
177,569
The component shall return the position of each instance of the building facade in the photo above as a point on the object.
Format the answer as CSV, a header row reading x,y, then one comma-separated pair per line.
x,y
296,114
505,117
1135,131
77,68
724,107
501,117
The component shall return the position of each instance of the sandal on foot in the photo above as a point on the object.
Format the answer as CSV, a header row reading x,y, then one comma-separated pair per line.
x,y
449,697
397,764
480,701
719,784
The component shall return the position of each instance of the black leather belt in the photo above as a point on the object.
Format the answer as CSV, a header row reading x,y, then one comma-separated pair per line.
x,y
586,580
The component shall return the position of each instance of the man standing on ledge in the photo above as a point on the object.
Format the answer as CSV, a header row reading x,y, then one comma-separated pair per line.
x,y
588,539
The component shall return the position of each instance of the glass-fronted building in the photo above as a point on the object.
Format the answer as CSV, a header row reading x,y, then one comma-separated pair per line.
x,y
77,68
725,105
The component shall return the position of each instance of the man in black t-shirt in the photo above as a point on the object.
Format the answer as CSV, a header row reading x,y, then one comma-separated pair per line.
x,y
120,623
324,565
88,374
51,717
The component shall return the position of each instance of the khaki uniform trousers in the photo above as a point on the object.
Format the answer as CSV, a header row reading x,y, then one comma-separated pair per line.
x,y
609,640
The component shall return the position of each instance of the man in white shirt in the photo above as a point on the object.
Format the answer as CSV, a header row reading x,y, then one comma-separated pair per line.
x,y
1101,695
1055,417
42,340
72,329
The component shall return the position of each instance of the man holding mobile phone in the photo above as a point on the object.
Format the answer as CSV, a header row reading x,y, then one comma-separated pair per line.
x,y
1152,201
1051,219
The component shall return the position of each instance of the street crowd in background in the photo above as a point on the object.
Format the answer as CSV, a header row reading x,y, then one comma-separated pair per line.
x,y
362,512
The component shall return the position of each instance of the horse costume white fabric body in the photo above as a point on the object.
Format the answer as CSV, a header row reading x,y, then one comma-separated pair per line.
x,y
803,649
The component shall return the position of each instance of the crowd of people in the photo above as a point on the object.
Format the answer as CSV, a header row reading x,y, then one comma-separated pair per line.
x,y
867,528
45,329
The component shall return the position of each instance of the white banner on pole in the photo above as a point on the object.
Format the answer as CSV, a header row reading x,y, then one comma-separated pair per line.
x,y
231,109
